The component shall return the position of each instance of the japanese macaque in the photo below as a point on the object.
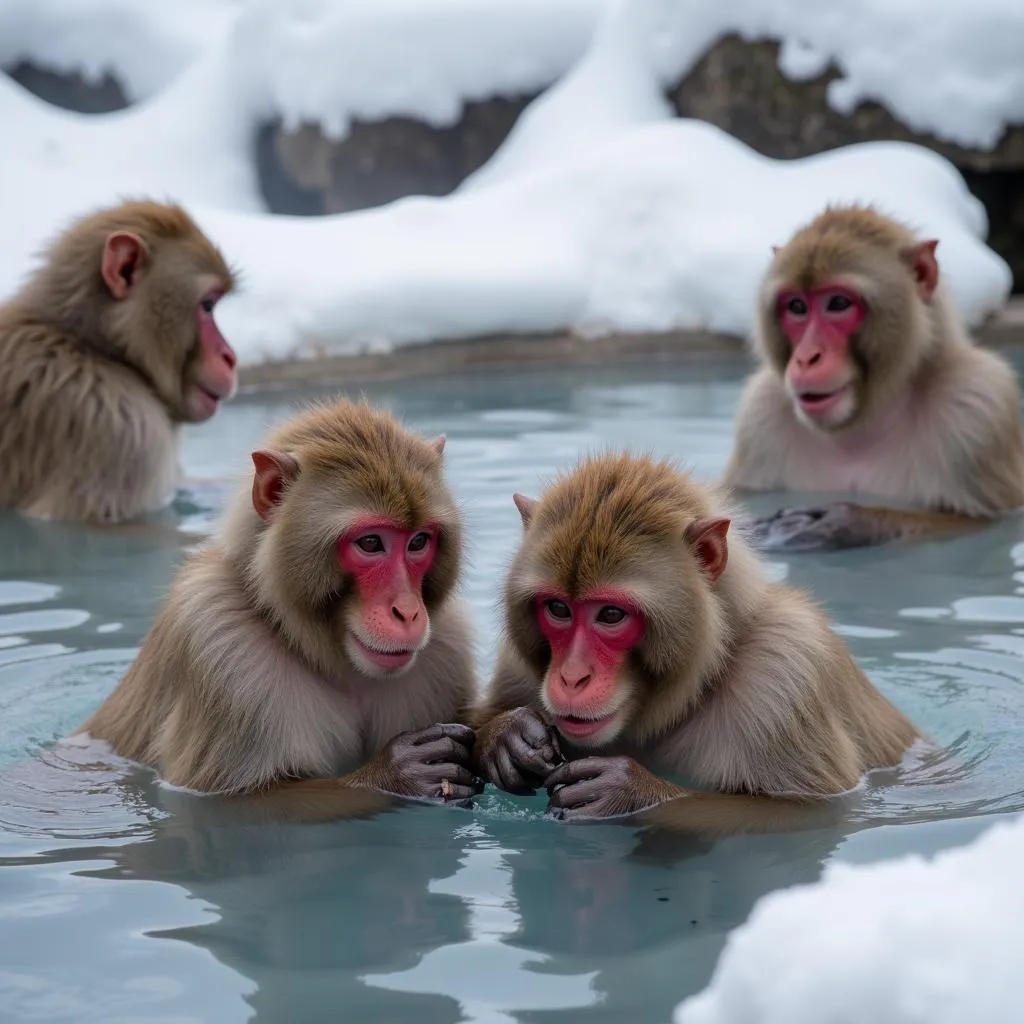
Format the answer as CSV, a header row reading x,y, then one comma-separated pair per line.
x,y
104,352
869,384
642,638
318,637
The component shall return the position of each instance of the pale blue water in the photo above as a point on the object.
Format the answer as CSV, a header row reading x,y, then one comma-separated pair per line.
x,y
113,909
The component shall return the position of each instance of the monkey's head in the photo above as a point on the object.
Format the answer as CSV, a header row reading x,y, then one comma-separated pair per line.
x,y
355,538
844,317
610,598
152,280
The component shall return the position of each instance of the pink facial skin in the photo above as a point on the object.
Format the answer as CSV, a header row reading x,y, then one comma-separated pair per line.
x,y
388,564
587,652
215,377
819,324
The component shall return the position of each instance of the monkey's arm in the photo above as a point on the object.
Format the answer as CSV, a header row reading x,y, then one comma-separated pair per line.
x,y
846,524
599,788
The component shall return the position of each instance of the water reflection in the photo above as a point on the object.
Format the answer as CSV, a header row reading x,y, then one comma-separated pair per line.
x,y
121,899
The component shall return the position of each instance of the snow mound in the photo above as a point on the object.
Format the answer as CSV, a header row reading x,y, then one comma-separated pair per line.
x,y
908,941
601,213
144,43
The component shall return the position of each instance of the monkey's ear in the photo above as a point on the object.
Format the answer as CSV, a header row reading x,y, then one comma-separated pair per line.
x,y
526,507
924,267
123,257
438,444
707,536
274,470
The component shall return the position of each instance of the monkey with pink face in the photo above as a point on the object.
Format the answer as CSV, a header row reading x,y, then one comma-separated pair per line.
x,y
316,648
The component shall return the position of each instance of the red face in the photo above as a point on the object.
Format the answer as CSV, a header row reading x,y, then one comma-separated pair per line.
x,y
589,638
819,325
388,564
213,376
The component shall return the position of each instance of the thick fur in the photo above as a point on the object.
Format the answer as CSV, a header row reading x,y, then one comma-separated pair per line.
x,y
243,681
739,684
939,424
91,388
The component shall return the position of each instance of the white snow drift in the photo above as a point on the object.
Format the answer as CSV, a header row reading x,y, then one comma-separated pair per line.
x,y
600,213
905,942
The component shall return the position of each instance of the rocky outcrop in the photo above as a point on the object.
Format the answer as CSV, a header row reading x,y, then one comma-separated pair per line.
x,y
70,91
379,161
737,85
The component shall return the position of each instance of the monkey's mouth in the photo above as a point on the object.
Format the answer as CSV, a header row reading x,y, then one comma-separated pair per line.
x,y
579,728
817,403
381,656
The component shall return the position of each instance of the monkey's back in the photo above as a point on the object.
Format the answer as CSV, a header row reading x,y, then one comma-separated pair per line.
x,y
82,437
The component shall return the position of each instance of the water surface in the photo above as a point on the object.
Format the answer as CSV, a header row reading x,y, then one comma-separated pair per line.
x,y
121,902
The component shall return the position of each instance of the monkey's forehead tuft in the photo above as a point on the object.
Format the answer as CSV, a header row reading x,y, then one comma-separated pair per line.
x,y
841,238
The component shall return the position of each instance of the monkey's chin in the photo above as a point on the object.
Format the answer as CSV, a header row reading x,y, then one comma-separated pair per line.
x,y
589,732
200,404
376,663
829,411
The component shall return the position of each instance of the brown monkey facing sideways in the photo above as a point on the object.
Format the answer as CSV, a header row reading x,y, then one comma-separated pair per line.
x,y
870,384
642,638
108,347
319,634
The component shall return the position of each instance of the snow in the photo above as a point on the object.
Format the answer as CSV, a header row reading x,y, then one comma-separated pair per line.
x,y
600,213
909,941
144,43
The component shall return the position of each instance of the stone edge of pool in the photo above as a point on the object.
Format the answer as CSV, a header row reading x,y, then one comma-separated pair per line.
x,y
1004,329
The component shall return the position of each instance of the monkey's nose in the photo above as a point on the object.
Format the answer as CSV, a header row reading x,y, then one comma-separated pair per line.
x,y
575,684
407,615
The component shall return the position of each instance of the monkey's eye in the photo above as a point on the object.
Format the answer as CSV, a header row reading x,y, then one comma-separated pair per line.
x,y
207,304
796,306
371,544
419,542
558,609
609,615
838,304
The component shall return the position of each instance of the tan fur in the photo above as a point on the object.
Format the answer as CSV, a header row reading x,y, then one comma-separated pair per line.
x,y
739,684
243,680
91,387
939,424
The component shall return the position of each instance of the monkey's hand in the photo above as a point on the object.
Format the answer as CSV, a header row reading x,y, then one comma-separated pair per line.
x,y
604,787
517,751
432,763
842,524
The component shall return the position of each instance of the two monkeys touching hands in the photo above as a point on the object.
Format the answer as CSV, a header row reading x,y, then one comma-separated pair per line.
x,y
316,649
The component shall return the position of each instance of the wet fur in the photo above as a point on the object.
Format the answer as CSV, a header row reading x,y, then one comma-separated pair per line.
x,y
739,684
90,387
243,681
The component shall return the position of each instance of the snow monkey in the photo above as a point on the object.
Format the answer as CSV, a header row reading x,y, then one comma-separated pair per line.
x,y
107,348
869,384
319,633
642,638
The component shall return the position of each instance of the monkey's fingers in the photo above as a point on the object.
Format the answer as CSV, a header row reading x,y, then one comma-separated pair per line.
x,y
504,774
441,751
529,760
575,771
439,730
577,795
526,723
456,780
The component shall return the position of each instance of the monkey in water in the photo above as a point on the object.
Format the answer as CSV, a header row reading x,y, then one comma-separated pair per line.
x,y
107,348
317,644
642,638
870,384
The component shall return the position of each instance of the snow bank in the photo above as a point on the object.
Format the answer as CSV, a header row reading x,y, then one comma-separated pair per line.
x,y
905,942
144,43
600,213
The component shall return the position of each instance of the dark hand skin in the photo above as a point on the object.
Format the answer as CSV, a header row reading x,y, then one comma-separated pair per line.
x,y
845,524
517,751
432,764
605,787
